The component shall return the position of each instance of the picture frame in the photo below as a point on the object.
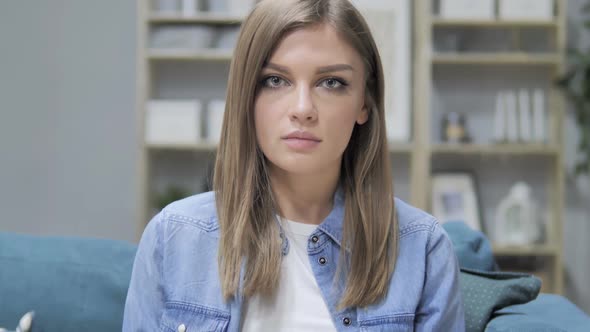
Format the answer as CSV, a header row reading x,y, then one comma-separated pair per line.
x,y
390,26
454,197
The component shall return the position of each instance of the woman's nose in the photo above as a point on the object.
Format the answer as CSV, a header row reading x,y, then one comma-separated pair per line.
x,y
304,109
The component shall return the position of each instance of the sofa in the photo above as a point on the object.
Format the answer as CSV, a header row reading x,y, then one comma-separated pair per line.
x,y
80,284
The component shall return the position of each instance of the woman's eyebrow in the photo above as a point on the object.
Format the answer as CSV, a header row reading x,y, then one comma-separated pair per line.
x,y
276,67
320,70
333,68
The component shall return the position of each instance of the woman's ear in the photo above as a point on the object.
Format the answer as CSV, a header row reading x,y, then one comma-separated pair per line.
x,y
363,116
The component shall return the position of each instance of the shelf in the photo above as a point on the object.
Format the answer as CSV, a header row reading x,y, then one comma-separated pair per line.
x,y
395,147
528,250
495,59
444,22
191,55
201,18
495,149
195,147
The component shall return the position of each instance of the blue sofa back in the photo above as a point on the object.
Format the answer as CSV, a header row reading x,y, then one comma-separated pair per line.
x,y
76,284
72,284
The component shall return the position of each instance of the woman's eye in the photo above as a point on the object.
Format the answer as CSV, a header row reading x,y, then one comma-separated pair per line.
x,y
274,82
332,83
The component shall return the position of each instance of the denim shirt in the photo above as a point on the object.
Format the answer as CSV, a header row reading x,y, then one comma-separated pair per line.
x,y
175,282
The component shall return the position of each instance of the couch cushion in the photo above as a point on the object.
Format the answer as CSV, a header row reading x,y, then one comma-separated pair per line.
x,y
485,292
72,284
472,248
549,313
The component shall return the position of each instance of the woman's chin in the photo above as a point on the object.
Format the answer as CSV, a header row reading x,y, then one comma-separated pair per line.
x,y
304,164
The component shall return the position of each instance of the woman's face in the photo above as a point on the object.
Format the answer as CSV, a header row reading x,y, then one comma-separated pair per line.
x,y
311,93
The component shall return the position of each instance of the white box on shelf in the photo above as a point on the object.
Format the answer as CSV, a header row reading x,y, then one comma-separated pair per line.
x,y
189,8
241,7
467,9
182,37
215,111
526,10
166,6
173,122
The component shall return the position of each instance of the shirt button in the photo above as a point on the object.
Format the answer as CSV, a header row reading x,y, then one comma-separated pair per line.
x,y
346,321
315,239
322,260
181,328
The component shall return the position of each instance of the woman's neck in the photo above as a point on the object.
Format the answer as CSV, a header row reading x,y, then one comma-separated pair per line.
x,y
304,198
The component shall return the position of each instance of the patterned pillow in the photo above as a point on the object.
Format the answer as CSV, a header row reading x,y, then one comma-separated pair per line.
x,y
486,292
25,323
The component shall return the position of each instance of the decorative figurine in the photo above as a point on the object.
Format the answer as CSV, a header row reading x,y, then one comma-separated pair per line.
x,y
453,128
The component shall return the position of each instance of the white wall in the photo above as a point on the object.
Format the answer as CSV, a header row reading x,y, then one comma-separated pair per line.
x,y
67,121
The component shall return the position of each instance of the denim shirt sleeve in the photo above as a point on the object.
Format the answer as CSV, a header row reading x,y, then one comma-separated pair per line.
x,y
145,297
441,305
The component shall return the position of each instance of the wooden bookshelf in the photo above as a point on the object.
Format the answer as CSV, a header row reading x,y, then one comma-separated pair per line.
x,y
438,22
495,59
202,18
423,148
190,55
428,63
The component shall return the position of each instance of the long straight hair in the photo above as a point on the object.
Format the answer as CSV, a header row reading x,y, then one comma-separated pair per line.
x,y
244,201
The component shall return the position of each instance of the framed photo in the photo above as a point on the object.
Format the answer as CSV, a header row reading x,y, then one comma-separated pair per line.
x,y
455,198
389,22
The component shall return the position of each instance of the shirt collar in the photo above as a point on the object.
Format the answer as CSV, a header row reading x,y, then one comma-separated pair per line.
x,y
333,223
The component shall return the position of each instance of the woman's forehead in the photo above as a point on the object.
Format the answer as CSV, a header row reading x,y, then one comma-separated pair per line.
x,y
319,44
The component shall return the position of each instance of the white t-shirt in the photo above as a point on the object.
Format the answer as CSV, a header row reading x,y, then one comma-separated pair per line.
x,y
297,305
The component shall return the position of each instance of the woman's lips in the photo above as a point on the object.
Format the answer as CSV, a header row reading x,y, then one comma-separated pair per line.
x,y
301,143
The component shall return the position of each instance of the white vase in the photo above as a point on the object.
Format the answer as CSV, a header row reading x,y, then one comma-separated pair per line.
x,y
517,218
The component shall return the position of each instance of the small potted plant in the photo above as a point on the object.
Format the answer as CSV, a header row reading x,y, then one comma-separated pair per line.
x,y
172,193
575,83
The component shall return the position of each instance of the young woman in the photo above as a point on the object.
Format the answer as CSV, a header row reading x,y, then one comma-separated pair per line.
x,y
302,232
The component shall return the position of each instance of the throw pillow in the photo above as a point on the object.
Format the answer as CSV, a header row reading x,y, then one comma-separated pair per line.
x,y
485,292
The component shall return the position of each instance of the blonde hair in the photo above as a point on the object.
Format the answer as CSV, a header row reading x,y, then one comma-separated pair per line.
x,y
245,205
